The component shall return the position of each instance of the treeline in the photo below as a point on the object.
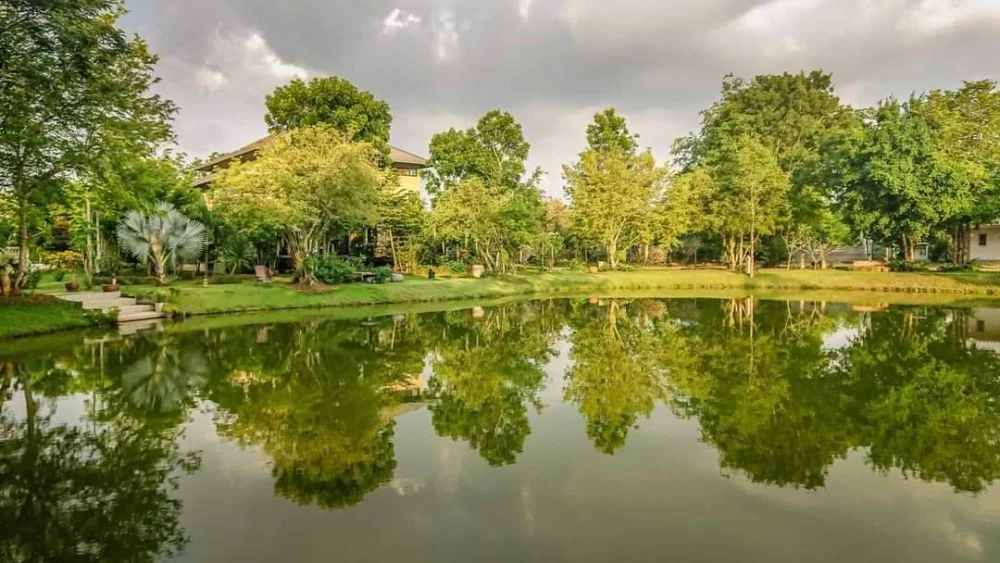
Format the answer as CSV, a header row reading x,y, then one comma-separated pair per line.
x,y
780,171
780,168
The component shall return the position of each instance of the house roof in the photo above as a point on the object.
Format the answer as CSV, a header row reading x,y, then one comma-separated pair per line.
x,y
398,156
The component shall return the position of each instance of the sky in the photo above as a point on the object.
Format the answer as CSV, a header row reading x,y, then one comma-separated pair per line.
x,y
550,63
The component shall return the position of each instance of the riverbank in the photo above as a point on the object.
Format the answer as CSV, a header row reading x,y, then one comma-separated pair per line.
x,y
39,314
190,298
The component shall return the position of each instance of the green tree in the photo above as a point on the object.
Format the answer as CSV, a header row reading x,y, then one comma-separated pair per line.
x,y
494,151
612,188
403,219
749,196
894,196
312,181
966,125
74,88
799,118
330,101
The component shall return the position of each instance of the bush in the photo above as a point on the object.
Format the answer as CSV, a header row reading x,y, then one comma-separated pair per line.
x,y
335,269
897,265
66,260
58,274
957,267
34,277
382,274
455,267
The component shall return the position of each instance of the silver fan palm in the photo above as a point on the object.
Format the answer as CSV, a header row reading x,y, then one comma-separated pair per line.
x,y
163,236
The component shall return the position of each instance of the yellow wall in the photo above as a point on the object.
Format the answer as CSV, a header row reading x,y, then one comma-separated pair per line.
x,y
408,183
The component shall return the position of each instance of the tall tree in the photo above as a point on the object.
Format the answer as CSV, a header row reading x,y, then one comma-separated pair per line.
x,y
966,125
749,196
313,180
330,101
493,151
800,119
613,188
73,88
894,196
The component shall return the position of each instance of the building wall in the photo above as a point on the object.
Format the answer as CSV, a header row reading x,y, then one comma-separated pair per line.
x,y
408,182
991,250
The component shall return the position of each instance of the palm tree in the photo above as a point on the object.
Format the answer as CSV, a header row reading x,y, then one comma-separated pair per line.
x,y
161,236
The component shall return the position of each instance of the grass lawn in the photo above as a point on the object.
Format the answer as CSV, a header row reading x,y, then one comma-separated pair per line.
x,y
38,314
190,298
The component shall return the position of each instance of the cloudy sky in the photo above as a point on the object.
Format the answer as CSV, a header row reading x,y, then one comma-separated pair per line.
x,y
551,63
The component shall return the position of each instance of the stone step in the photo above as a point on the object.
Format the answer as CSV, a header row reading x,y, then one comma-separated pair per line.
x,y
132,309
106,304
126,329
87,296
144,316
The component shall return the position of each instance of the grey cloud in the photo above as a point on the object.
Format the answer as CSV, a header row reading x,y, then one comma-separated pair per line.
x,y
659,61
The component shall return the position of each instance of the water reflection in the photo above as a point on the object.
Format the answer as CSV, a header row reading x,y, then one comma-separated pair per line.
x,y
92,433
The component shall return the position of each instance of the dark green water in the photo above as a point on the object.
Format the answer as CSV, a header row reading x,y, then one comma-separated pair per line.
x,y
643,430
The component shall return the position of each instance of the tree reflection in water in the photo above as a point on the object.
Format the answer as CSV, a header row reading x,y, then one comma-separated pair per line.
x,y
763,379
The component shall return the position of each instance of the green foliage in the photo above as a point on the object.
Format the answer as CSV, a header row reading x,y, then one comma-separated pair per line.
x,y
332,269
238,254
311,181
382,274
494,151
75,89
69,260
455,267
330,101
613,190
899,265
33,278
58,274
163,236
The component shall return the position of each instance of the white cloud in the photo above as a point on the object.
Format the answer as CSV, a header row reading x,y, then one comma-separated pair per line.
x,y
399,19
524,8
936,15
210,80
260,54
445,34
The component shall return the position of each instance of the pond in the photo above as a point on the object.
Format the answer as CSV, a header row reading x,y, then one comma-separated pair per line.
x,y
585,430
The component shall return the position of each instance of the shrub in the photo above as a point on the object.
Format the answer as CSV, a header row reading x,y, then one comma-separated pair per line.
x,y
897,265
455,267
34,277
58,274
957,267
382,274
335,269
66,260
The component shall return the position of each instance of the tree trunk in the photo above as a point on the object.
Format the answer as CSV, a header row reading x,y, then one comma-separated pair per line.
x,y
22,239
612,249
392,247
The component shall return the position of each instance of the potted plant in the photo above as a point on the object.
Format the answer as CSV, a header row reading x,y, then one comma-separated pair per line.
x,y
72,285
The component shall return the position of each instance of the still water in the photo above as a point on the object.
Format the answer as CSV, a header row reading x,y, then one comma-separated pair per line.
x,y
594,430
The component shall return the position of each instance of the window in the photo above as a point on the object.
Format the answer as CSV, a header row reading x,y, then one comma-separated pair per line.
x,y
982,239
980,326
408,172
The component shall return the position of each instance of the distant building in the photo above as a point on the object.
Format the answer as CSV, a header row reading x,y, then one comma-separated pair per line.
x,y
984,243
406,164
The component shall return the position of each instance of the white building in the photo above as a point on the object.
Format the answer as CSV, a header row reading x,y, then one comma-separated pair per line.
x,y
984,245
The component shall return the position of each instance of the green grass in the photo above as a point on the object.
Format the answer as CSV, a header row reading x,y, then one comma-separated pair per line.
x,y
190,298
38,315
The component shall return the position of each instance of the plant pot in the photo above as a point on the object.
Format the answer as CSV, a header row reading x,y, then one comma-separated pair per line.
x,y
158,307
72,286
110,288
